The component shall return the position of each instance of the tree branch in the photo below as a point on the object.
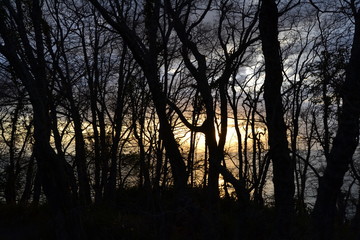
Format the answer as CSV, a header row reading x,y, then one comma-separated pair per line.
x,y
184,120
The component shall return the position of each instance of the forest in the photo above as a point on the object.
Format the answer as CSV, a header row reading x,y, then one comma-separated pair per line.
x,y
179,119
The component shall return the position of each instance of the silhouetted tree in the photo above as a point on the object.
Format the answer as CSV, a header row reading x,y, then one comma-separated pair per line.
x,y
344,144
283,166
27,58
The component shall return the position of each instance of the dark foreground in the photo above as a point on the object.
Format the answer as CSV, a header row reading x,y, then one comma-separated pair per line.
x,y
135,217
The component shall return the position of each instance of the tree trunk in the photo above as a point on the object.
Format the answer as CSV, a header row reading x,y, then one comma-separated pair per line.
x,y
110,189
283,167
37,189
80,157
11,178
28,181
344,145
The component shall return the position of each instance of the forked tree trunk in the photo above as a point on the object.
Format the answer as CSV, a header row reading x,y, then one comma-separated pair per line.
x,y
344,145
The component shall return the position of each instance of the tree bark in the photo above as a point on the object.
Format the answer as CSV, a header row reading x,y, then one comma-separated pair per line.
x,y
25,197
344,145
283,167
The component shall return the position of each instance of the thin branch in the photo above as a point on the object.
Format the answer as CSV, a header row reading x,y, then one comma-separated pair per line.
x,y
308,164
184,120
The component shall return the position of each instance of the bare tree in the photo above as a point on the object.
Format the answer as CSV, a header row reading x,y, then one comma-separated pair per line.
x,y
146,55
27,57
344,144
283,166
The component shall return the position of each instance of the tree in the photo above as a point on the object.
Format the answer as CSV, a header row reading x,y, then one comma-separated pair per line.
x,y
146,55
344,144
63,75
283,166
32,71
14,137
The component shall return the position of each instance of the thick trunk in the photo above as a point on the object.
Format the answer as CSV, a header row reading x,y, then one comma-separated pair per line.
x,y
37,189
110,188
283,167
60,154
80,157
53,175
159,98
214,162
10,186
355,224
159,165
28,181
172,151
344,145
144,177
